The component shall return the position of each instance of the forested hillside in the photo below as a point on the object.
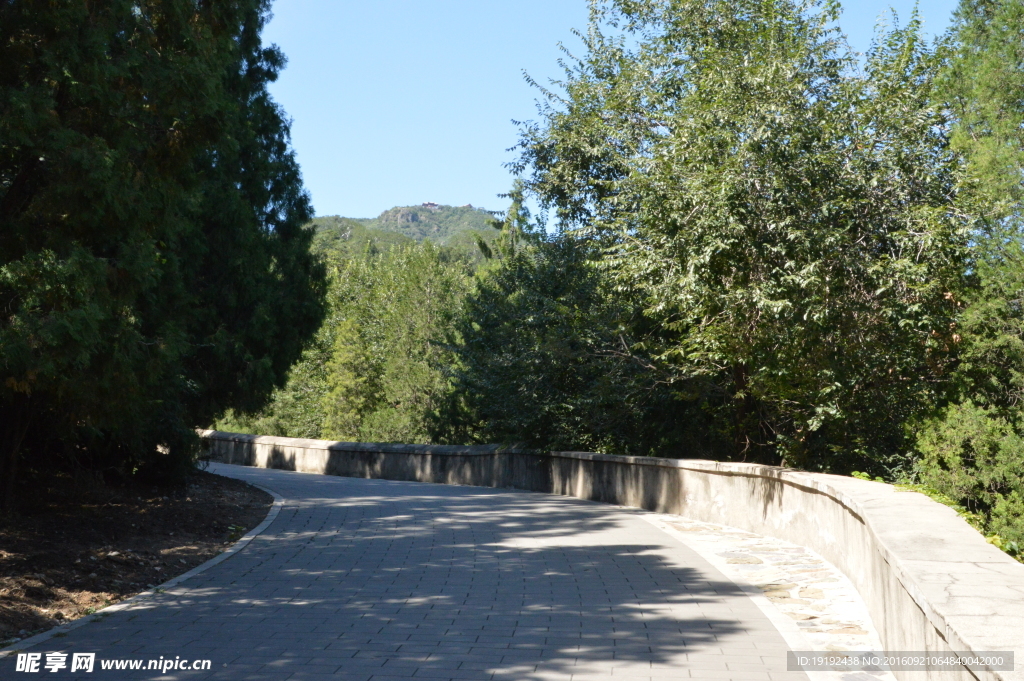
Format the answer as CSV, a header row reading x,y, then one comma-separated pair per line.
x,y
344,237
377,370
457,227
440,224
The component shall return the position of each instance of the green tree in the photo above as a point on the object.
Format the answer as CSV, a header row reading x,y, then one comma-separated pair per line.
x,y
982,85
971,447
788,222
153,268
378,370
546,357
389,365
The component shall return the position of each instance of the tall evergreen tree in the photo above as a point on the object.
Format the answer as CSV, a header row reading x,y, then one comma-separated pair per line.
x,y
153,269
377,371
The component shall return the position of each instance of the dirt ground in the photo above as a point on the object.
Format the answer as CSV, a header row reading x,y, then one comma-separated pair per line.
x,y
71,551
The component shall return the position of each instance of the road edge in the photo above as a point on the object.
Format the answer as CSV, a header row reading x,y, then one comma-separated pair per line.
x,y
143,596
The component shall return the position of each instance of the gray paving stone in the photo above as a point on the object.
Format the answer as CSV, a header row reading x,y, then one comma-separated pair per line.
x,y
306,675
369,580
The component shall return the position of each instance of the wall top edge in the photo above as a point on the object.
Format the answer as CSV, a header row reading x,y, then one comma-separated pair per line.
x,y
479,450
760,470
392,448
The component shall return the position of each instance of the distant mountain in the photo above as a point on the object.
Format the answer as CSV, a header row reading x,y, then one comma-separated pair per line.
x,y
431,221
452,226
348,236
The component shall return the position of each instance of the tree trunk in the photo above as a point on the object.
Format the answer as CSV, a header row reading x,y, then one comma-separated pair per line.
x,y
16,429
741,438
752,435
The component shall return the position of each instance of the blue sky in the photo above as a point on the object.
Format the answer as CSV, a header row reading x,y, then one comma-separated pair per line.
x,y
397,102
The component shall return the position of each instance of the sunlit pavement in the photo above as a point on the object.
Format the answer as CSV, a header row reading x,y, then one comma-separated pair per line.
x,y
376,580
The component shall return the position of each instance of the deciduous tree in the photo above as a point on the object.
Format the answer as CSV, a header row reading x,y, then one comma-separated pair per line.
x,y
789,221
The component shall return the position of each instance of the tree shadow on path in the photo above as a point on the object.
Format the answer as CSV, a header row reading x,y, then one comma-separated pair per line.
x,y
371,579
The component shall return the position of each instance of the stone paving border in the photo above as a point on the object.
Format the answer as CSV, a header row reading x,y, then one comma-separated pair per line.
x,y
142,597
930,581
734,552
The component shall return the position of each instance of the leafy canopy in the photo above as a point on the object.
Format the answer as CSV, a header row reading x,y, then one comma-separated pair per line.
x,y
788,221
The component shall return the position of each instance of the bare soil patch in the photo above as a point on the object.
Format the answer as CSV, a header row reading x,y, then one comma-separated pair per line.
x,y
72,551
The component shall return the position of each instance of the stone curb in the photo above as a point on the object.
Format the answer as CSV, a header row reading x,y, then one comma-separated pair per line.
x,y
144,596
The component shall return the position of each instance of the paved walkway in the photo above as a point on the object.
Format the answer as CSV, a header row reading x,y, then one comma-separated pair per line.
x,y
362,580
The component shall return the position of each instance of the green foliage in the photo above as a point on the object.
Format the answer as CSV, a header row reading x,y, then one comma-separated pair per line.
x,y
982,81
969,452
397,307
971,446
295,409
544,360
377,371
787,222
338,237
153,265
972,449
976,458
981,84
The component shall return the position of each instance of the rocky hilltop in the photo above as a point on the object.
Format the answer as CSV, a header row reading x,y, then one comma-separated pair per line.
x,y
452,226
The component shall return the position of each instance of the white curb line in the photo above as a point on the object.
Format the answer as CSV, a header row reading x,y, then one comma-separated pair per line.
x,y
143,596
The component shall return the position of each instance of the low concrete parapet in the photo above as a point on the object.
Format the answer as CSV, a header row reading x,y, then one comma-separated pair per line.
x,y
930,581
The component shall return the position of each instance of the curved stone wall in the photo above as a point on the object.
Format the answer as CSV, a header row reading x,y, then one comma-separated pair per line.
x,y
930,581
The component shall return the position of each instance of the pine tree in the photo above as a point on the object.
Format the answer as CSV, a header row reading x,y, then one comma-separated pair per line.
x,y
153,270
